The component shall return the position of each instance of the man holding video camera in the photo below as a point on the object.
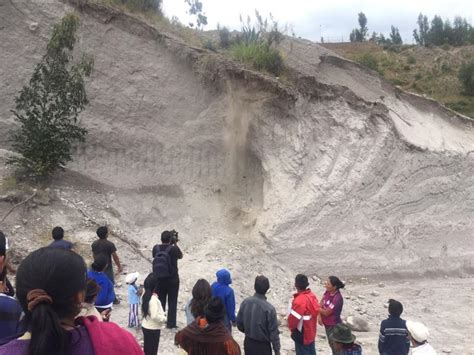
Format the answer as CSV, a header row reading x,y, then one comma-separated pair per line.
x,y
165,266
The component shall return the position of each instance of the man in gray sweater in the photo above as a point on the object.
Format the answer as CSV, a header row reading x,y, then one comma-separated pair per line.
x,y
258,320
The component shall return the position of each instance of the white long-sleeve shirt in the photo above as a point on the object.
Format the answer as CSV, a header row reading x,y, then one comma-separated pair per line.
x,y
157,317
425,349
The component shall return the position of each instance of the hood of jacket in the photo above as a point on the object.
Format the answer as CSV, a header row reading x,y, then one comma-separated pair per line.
x,y
223,277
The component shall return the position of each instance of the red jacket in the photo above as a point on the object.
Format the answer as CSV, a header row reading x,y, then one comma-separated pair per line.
x,y
305,310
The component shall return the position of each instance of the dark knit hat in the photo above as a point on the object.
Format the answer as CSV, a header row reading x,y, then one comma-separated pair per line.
x,y
214,311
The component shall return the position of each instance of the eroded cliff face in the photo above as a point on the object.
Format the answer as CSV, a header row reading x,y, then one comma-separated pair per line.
x,y
338,168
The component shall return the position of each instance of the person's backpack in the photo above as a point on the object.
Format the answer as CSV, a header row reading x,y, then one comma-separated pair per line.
x,y
162,263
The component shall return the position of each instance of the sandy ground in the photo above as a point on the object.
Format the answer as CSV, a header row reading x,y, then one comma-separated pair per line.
x,y
442,302
335,173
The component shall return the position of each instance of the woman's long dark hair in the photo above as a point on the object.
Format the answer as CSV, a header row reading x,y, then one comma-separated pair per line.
x,y
62,275
149,285
202,294
336,282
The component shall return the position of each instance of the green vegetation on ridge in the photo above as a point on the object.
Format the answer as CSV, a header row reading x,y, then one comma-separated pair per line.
x,y
433,72
256,45
423,69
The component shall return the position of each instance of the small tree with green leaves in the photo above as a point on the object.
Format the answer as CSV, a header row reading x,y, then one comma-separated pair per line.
x,y
47,108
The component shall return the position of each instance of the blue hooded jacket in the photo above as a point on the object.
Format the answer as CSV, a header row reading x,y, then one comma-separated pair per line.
x,y
221,289
106,294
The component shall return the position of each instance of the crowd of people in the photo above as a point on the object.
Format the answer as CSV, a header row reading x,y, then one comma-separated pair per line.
x,y
60,307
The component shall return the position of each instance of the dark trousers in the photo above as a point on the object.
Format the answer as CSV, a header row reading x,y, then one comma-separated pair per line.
x,y
151,340
168,290
329,329
255,347
102,309
302,349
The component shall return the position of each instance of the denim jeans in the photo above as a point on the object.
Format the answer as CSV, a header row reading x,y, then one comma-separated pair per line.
x,y
305,349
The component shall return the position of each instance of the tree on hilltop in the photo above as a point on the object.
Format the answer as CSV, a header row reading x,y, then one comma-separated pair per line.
x,y
395,37
195,9
360,34
421,34
436,34
462,31
440,32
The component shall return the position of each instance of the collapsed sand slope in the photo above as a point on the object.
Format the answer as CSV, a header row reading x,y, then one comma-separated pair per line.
x,y
343,164
360,170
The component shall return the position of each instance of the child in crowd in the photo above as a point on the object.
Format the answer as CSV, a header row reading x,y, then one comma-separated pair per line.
x,y
393,339
133,299
221,289
106,295
88,307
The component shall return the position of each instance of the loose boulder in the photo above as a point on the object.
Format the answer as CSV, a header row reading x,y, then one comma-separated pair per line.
x,y
357,324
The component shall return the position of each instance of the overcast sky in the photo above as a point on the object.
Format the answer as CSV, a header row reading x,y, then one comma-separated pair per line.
x,y
332,19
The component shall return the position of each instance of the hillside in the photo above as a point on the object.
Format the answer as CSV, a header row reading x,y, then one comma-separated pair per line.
x,y
429,71
331,170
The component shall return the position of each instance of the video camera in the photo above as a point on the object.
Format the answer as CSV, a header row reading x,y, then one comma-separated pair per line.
x,y
174,237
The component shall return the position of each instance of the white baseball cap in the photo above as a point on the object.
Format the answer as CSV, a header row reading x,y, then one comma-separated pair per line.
x,y
131,278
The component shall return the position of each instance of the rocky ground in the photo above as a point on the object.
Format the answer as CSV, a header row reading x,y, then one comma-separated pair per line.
x,y
437,300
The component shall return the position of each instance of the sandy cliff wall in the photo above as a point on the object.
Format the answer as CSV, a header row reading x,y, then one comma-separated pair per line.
x,y
338,169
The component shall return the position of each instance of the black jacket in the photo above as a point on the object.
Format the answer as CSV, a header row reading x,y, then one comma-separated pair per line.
x,y
258,320
393,339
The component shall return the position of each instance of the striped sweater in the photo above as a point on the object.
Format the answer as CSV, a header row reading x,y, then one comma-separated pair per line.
x,y
393,339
